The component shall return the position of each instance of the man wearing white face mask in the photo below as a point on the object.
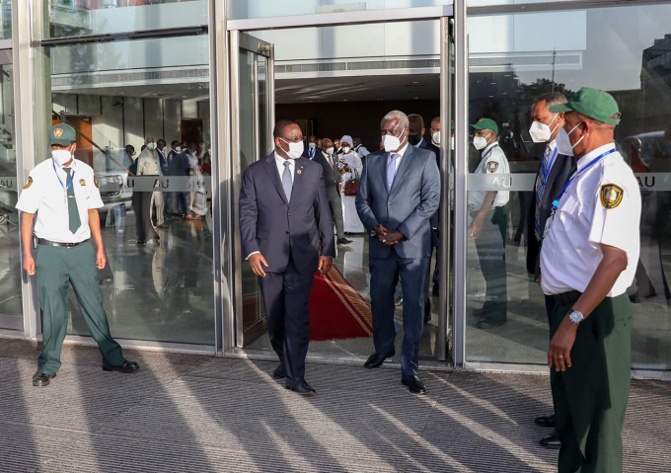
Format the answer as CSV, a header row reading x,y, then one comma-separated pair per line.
x,y
398,194
327,159
488,225
287,234
557,164
149,164
59,206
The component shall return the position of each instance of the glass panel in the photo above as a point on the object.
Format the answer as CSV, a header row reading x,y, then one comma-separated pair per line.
x,y
506,72
10,261
6,21
243,9
158,285
96,17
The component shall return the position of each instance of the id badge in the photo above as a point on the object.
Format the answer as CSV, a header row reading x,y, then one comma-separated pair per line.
x,y
548,224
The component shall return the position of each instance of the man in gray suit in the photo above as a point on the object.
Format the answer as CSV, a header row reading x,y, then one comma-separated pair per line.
x,y
398,193
287,234
326,157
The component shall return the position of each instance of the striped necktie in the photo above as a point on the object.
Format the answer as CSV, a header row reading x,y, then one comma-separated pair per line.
x,y
540,189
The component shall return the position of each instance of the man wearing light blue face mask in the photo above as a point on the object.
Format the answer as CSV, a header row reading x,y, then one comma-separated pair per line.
x,y
59,216
488,225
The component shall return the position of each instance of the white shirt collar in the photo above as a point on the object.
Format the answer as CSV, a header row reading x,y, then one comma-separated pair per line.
x,y
489,147
586,159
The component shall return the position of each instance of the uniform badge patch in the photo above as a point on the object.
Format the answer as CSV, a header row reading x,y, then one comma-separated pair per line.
x,y
492,166
29,183
82,182
58,132
611,195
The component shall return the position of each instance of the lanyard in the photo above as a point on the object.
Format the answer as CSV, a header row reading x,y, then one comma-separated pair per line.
x,y
489,151
69,184
546,174
555,204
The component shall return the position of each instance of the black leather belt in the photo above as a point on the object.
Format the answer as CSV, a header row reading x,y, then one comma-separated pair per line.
x,y
566,298
42,241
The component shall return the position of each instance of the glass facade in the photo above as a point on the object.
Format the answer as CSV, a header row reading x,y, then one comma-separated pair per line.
x,y
514,58
119,90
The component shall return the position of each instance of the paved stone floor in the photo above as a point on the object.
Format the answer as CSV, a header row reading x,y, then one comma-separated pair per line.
x,y
186,413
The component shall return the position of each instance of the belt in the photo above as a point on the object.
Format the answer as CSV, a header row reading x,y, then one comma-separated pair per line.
x,y
566,298
42,241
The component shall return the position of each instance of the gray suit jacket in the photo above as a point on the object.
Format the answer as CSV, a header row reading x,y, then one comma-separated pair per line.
x,y
301,229
406,207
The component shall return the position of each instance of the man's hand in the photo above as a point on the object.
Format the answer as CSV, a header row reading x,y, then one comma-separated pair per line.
x,y
380,230
101,259
476,225
325,263
29,264
559,354
257,262
392,237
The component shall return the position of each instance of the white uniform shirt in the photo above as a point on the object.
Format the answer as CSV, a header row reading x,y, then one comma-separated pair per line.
x,y
571,251
493,161
148,164
46,195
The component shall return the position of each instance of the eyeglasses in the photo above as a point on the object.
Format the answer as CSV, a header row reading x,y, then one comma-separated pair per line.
x,y
294,140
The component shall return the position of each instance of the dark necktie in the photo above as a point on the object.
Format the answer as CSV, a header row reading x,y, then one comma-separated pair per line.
x,y
540,190
73,212
287,183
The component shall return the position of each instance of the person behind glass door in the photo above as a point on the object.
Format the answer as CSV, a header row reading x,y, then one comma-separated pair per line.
x,y
175,168
312,149
557,164
190,157
59,205
398,194
326,158
287,234
588,260
148,164
488,225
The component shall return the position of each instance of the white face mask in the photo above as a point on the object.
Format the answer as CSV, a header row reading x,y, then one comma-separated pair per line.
x,y
61,156
346,149
295,149
178,149
435,138
391,142
312,145
540,132
569,134
330,150
563,143
151,146
480,142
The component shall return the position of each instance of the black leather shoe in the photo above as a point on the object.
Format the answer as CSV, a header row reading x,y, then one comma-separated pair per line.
x,y
343,241
375,360
302,387
551,441
414,384
280,372
42,379
545,421
125,367
489,323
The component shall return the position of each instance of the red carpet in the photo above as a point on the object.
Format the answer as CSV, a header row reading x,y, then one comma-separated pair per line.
x,y
337,310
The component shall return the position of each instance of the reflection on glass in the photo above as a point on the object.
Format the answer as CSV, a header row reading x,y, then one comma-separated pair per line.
x,y
141,111
506,73
10,261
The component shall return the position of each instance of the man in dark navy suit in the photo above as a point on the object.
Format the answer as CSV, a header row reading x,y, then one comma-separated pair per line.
x,y
287,234
398,193
557,165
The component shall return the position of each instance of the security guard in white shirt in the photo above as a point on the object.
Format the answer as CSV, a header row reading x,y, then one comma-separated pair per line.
x,y
59,205
488,225
588,260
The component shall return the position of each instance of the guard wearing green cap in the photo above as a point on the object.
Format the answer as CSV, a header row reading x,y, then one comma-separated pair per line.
x,y
588,260
488,225
59,205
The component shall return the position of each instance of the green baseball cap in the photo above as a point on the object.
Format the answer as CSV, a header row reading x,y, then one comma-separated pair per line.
x,y
486,124
62,134
593,103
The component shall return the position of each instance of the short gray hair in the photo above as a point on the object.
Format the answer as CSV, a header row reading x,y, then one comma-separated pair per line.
x,y
397,115
551,98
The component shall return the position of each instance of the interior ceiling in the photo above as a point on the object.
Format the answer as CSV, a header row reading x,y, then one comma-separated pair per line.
x,y
294,91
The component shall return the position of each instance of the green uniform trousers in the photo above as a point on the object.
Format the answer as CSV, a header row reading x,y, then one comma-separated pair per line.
x,y
56,266
590,398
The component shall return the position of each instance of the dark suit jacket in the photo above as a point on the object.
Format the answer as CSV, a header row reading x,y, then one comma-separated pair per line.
x,y
302,228
406,207
306,152
561,170
331,174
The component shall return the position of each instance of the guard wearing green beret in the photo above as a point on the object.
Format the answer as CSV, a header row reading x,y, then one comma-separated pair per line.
x,y
59,206
588,260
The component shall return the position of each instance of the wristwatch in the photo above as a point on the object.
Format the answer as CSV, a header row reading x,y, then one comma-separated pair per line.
x,y
576,317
